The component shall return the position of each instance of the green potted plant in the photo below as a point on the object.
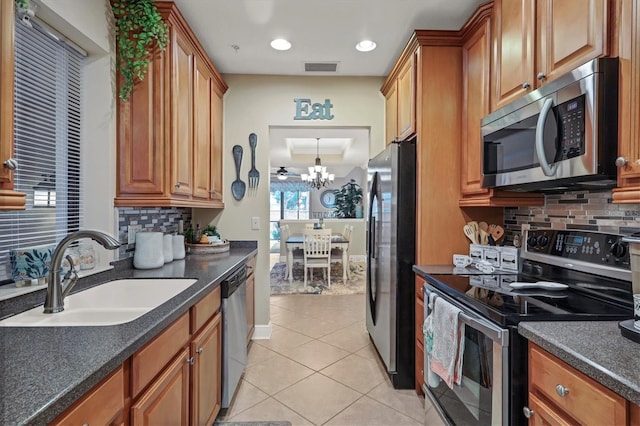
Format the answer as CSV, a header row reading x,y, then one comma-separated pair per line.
x,y
139,26
348,198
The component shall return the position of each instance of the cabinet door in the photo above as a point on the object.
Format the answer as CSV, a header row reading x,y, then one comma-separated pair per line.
x,y
181,114
569,33
202,129
166,402
391,114
9,199
407,99
141,134
628,190
475,105
206,348
545,415
216,145
513,41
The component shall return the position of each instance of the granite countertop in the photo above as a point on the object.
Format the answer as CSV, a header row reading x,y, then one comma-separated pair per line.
x,y
43,370
595,348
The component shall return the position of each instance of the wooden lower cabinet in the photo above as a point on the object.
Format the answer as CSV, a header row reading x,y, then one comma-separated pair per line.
x,y
206,381
104,404
559,394
251,298
167,399
419,319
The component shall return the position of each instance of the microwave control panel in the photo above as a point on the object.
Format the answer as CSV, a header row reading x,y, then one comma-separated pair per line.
x,y
571,127
591,247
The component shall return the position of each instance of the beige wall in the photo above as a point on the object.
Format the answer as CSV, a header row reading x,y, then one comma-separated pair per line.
x,y
252,104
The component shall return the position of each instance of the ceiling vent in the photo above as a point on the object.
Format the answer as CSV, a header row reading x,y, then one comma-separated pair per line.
x,y
320,66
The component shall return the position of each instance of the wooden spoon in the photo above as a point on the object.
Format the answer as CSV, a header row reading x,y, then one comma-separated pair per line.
x,y
484,236
470,233
496,231
483,226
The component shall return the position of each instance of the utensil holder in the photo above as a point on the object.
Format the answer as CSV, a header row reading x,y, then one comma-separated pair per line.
x,y
149,250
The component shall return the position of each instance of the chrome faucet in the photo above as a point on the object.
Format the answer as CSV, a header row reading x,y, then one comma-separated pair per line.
x,y
54,302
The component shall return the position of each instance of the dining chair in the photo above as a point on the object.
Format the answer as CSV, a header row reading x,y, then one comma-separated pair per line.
x,y
317,252
336,252
285,233
308,225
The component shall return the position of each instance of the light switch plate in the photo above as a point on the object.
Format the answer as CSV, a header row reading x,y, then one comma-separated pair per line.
x,y
255,223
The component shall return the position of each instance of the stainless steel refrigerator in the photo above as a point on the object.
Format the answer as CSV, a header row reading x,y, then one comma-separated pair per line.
x,y
391,222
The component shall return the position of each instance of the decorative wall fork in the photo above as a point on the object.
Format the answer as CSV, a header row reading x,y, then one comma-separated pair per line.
x,y
254,175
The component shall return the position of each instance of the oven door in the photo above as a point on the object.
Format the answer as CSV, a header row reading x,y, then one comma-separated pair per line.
x,y
482,396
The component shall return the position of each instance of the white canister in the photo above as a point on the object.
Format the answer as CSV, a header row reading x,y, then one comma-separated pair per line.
x,y
167,248
149,250
178,247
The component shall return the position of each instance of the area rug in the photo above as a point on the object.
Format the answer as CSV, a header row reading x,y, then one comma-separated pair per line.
x,y
316,284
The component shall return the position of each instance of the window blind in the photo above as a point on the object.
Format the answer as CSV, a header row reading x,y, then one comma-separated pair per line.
x,y
48,93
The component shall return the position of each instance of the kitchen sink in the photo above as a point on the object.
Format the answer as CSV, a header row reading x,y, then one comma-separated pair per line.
x,y
111,303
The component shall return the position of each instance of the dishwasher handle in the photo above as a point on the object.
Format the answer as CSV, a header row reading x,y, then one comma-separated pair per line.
x,y
235,280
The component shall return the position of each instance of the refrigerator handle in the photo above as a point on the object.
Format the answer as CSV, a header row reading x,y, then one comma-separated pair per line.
x,y
372,237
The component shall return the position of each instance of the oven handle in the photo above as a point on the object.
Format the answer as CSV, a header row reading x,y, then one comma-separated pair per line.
x,y
498,335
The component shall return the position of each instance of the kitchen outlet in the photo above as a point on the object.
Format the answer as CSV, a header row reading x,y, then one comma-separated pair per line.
x,y
131,233
255,223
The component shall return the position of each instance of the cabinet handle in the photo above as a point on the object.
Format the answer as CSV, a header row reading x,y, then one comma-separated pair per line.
x,y
621,162
11,163
526,85
541,76
199,351
528,413
177,185
191,361
561,390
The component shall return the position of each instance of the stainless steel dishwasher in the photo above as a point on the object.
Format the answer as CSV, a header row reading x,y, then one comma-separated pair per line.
x,y
234,332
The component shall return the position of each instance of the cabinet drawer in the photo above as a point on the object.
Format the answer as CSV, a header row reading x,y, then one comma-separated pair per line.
x,y
586,400
101,405
150,360
202,311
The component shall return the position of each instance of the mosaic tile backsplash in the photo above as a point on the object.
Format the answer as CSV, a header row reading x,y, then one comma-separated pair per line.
x,y
586,210
163,219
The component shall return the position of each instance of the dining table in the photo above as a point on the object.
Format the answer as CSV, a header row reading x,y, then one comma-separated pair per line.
x,y
296,241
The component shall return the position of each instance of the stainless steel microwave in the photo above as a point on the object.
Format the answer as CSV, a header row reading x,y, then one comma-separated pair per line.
x,y
562,136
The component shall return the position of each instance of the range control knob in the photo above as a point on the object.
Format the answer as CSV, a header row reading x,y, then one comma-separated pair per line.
x,y
543,240
618,249
532,241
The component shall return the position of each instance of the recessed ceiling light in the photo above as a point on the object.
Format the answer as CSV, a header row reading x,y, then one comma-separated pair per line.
x,y
366,46
280,44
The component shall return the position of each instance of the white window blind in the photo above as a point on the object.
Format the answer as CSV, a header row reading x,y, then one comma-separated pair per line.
x,y
47,143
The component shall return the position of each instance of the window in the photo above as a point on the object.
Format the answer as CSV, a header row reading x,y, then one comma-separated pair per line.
x,y
287,201
47,142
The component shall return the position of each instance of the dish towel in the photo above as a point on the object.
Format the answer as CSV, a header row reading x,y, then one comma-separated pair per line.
x,y
448,342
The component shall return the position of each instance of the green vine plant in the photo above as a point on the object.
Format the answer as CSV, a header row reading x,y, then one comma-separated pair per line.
x,y
138,26
22,4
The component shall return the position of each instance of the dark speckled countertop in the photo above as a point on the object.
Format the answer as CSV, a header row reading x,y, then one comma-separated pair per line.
x,y
595,348
43,370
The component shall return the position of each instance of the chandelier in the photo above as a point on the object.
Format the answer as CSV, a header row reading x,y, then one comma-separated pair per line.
x,y
318,175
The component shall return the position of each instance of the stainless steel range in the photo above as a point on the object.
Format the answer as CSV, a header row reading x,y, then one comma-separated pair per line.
x,y
594,273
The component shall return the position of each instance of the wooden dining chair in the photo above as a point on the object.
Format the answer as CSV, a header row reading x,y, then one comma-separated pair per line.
x,y
336,252
317,252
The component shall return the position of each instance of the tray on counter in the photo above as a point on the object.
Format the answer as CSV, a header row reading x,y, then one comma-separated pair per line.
x,y
207,248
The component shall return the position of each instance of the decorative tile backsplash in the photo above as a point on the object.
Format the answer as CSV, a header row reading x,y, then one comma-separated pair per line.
x,y
163,219
586,210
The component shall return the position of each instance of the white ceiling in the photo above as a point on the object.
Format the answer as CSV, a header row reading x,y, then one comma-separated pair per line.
x,y
236,35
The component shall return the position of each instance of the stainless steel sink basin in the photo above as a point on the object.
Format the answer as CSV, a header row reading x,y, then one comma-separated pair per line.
x,y
114,302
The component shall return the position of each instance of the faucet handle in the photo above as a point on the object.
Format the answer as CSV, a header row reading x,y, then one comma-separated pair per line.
x,y
67,276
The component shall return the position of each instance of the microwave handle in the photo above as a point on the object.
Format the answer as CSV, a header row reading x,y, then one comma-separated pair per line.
x,y
547,169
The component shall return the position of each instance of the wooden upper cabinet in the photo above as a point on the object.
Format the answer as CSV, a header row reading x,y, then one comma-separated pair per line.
x,y
399,91
202,130
628,190
391,114
181,113
9,199
407,99
170,129
536,41
513,35
476,82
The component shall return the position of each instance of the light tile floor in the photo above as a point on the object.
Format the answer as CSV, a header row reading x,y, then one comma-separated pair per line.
x,y
320,368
